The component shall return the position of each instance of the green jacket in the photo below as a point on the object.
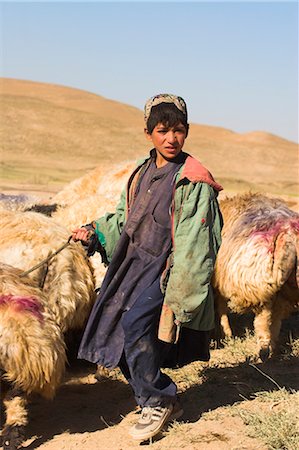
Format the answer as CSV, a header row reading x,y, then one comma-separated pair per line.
x,y
196,237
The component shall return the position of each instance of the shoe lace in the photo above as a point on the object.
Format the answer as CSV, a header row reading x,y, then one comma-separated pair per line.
x,y
146,412
152,412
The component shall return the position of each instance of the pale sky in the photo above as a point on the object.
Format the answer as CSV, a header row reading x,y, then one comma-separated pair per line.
x,y
235,63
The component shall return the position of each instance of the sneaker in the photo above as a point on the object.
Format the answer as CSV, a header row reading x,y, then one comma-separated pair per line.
x,y
153,419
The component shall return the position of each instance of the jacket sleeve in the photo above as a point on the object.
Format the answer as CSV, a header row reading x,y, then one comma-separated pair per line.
x,y
109,227
197,238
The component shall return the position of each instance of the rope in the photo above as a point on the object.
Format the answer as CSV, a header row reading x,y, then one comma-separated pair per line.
x,y
37,266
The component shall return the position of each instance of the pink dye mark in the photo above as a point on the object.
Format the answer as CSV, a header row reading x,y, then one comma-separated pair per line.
x,y
19,304
267,236
294,224
270,232
281,226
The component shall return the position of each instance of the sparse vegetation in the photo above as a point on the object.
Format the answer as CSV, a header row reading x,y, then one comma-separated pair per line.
x,y
236,349
292,348
277,424
269,416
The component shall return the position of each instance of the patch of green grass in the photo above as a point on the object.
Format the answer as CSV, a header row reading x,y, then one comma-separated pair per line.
x,y
272,417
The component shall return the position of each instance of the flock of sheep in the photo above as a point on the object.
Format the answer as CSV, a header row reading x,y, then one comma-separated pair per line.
x,y
256,270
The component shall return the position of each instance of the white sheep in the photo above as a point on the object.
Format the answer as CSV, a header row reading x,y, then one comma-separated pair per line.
x,y
61,293
32,350
26,238
257,265
105,181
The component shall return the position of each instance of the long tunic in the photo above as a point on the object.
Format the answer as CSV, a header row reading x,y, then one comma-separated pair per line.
x,y
138,260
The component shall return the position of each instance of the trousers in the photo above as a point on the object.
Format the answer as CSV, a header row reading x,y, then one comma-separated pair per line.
x,y
143,353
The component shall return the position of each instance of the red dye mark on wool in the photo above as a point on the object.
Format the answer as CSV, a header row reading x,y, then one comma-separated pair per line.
x,y
20,303
294,224
268,236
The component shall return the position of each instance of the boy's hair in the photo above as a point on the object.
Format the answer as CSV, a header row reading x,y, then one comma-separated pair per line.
x,y
167,114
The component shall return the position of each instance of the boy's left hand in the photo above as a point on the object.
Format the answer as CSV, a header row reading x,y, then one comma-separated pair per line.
x,y
81,234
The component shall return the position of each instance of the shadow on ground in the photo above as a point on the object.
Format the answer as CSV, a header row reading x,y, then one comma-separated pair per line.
x,y
79,407
86,407
223,386
226,386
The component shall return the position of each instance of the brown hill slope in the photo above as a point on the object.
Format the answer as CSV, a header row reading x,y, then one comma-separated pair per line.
x,y
52,134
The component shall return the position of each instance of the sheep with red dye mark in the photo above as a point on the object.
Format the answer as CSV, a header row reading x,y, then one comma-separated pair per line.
x,y
32,350
257,265
26,238
38,313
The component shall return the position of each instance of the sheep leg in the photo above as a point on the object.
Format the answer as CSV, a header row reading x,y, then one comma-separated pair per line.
x,y
222,326
225,325
222,311
275,330
16,419
281,309
263,327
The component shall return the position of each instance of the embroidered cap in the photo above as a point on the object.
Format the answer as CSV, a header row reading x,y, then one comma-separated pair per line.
x,y
179,102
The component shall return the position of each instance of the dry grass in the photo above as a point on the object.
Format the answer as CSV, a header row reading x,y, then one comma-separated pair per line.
x,y
51,135
276,421
270,417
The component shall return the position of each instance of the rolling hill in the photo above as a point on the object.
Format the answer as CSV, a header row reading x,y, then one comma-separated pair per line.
x,y
52,134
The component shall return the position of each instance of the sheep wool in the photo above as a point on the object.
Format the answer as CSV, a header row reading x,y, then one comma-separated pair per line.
x,y
26,238
32,349
257,264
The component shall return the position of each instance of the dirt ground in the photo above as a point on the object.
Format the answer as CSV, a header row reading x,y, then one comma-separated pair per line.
x,y
87,414
91,415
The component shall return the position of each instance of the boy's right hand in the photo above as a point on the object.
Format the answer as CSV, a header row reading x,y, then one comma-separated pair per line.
x,y
81,234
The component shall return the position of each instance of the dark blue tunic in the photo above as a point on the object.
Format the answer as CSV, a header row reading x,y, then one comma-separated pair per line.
x,y
138,261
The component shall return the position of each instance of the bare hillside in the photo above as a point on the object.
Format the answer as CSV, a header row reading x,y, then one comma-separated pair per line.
x,y
52,134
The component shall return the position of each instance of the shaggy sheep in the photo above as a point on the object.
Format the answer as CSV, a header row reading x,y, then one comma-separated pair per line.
x,y
257,265
63,306
32,350
26,238
106,181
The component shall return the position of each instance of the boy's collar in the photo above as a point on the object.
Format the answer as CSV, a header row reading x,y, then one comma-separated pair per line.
x,y
194,171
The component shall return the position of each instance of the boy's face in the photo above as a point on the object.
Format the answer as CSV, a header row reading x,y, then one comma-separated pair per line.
x,y
168,141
